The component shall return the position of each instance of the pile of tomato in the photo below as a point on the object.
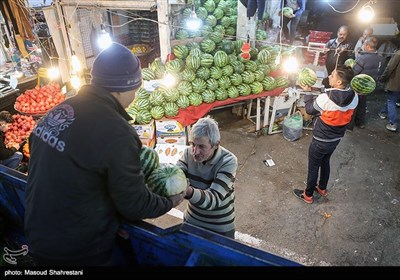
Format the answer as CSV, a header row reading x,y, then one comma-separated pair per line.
x,y
39,99
20,130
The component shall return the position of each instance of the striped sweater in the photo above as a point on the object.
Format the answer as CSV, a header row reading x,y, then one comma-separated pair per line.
x,y
334,108
212,203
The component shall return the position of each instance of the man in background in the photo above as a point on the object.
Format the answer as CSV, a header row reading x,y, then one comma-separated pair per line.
x,y
368,63
360,43
339,49
298,7
391,78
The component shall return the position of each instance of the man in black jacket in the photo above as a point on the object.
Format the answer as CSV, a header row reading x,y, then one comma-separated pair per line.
x,y
368,62
84,172
339,50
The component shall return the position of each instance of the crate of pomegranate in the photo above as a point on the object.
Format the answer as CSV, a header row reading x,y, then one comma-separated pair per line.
x,y
19,130
39,100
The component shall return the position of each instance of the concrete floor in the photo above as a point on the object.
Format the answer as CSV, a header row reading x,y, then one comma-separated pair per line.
x,y
358,224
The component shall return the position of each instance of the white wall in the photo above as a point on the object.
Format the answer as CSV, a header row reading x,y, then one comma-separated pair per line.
x,y
273,9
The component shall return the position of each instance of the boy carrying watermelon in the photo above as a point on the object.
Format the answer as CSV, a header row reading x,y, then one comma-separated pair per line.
x,y
334,110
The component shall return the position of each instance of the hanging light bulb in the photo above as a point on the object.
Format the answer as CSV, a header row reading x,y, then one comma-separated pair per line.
x,y
75,63
103,39
194,23
53,73
366,13
75,81
291,65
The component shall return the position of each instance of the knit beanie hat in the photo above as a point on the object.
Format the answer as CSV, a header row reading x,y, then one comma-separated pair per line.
x,y
117,69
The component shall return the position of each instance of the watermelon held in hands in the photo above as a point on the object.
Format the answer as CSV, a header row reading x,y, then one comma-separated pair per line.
x,y
350,63
149,161
363,84
288,12
167,181
307,77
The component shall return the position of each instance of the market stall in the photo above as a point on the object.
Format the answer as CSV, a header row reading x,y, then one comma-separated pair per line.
x,y
191,114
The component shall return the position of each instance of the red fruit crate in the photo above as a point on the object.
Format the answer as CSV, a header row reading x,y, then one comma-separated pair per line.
x,y
314,34
318,39
309,58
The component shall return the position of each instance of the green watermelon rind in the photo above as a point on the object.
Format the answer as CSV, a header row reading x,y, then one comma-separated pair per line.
x,y
363,84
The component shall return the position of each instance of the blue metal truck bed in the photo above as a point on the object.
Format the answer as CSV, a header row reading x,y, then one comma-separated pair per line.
x,y
180,245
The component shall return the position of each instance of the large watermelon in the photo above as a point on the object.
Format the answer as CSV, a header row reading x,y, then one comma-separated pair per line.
x,y
167,181
350,62
363,84
287,12
157,112
149,161
171,109
307,77
180,51
143,117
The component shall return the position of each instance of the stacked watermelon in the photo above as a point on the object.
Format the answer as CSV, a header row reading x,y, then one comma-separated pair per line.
x,y
217,16
307,77
363,84
209,71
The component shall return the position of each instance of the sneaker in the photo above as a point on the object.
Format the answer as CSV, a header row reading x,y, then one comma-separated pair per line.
x,y
361,126
302,195
382,116
323,193
391,127
397,104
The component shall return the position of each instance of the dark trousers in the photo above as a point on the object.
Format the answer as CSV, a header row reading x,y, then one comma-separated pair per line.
x,y
390,106
294,22
359,114
319,154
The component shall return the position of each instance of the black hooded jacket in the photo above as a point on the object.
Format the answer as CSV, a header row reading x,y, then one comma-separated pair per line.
x,y
84,178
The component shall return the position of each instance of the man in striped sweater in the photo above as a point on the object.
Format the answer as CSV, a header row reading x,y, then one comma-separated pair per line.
x,y
211,170
334,110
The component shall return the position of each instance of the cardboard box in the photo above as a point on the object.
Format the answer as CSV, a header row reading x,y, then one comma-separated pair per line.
x,y
149,142
169,127
177,140
145,131
169,153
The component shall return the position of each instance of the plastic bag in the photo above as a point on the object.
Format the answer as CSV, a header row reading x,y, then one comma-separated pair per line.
x,y
293,127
